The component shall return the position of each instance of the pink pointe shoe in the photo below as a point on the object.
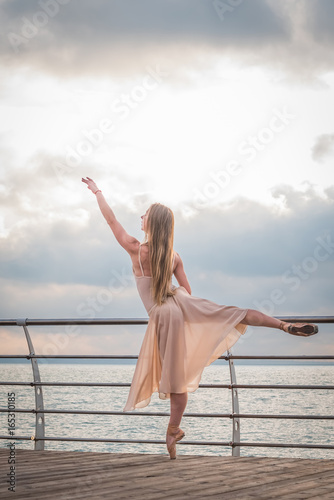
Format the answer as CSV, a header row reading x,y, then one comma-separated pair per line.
x,y
300,329
177,434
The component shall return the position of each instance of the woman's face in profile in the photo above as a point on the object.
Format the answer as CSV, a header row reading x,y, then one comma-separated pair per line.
x,y
144,221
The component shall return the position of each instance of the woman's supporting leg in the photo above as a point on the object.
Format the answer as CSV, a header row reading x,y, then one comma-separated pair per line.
x,y
178,403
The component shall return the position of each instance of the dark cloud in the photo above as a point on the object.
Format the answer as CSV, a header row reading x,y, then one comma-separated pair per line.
x,y
323,147
148,21
319,15
124,36
248,237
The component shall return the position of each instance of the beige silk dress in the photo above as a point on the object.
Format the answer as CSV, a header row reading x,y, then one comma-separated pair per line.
x,y
183,336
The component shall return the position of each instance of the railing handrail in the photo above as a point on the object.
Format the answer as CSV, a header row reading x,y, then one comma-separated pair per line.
x,y
135,356
186,414
135,321
235,416
201,386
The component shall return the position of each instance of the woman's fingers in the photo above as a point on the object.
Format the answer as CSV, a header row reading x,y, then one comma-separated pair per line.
x,y
88,181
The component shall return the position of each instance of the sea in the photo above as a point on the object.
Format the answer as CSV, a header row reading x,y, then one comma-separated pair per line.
x,y
203,400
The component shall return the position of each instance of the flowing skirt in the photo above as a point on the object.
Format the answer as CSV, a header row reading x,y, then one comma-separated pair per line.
x,y
183,336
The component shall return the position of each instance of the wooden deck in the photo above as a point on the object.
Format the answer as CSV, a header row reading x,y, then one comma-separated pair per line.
x,y
65,475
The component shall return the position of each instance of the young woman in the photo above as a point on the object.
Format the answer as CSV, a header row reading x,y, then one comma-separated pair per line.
x,y
184,333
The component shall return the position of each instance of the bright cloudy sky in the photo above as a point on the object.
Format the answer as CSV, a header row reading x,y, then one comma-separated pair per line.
x,y
221,110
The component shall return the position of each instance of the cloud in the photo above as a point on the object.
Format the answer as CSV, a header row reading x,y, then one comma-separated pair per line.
x,y
117,38
323,147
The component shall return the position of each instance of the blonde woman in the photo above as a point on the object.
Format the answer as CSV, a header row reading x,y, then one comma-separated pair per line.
x,y
184,333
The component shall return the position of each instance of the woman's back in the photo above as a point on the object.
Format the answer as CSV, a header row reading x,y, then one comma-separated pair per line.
x,y
141,262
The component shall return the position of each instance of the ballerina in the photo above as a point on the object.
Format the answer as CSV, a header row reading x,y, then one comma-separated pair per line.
x,y
184,333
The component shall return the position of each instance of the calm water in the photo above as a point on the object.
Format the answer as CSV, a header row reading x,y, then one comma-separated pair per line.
x,y
266,401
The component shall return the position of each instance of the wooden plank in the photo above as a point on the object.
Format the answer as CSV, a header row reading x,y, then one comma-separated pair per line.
x,y
285,488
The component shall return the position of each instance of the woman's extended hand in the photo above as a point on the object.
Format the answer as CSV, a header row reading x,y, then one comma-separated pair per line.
x,y
90,184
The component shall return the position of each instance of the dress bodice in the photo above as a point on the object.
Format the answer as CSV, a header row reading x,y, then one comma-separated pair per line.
x,y
144,286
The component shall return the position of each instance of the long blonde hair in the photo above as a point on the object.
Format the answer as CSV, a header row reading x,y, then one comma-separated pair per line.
x,y
160,239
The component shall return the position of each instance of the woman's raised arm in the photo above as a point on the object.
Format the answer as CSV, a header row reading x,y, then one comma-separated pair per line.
x,y
129,243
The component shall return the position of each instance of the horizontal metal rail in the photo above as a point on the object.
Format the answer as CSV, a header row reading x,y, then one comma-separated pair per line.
x,y
165,414
285,445
191,443
138,321
74,321
201,386
130,356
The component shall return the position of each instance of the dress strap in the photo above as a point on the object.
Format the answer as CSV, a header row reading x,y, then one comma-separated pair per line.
x,y
141,267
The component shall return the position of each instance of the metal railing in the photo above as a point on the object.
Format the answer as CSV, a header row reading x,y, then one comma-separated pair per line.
x,y
39,438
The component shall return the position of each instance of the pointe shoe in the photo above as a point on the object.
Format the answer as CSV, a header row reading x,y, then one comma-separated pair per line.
x,y
300,329
177,434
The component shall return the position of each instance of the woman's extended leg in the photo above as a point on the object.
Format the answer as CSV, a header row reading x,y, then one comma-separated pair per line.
x,y
178,403
257,318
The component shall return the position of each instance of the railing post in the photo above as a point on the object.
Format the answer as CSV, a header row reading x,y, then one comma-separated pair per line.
x,y
235,409
39,404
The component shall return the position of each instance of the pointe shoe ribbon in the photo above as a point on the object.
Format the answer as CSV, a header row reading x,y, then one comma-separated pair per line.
x,y
177,434
300,329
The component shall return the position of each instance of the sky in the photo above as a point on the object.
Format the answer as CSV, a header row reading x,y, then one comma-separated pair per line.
x,y
221,110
